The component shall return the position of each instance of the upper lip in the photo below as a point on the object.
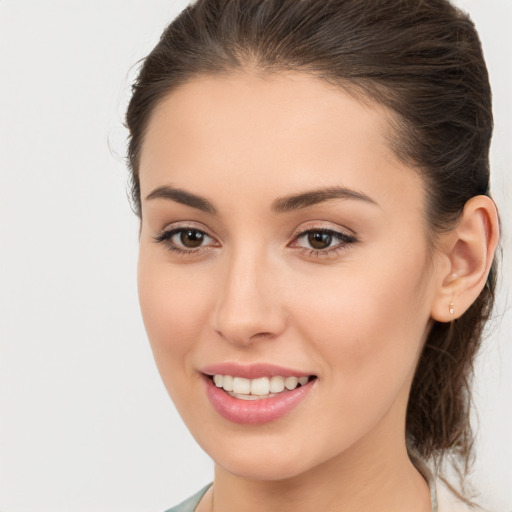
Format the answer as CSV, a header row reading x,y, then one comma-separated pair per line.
x,y
252,371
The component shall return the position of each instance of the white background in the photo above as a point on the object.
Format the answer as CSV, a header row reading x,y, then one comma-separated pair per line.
x,y
85,423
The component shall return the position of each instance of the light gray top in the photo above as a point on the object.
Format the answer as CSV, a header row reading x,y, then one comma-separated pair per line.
x,y
190,504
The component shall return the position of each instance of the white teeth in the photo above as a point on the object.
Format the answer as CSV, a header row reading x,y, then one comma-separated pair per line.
x,y
253,389
291,382
241,385
302,380
260,386
277,384
249,397
228,383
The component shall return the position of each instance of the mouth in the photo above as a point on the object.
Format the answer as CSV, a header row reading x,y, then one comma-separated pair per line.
x,y
260,388
258,393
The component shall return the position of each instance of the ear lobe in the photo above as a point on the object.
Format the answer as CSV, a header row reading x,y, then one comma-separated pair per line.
x,y
470,249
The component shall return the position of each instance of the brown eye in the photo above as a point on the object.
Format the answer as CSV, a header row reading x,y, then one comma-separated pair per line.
x,y
191,238
319,240
186,240
323,242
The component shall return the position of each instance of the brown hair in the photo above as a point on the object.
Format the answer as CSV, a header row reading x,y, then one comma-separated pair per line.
x,y
420,58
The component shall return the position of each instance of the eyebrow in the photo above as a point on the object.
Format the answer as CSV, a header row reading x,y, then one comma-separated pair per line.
x,y
281,205
183,197
312,197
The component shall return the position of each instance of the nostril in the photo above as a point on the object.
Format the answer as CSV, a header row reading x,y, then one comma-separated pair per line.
x,y
241,338
262,335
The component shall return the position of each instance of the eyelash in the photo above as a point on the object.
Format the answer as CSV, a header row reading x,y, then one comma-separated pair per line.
x,y
343,242
165,238
343,239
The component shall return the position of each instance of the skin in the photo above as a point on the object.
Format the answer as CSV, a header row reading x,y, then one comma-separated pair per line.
x,y
354,314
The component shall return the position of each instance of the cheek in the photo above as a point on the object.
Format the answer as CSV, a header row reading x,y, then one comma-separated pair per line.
x,y
173,307
369,324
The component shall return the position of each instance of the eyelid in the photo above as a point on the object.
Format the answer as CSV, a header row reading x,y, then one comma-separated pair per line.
x,y
322,226
187,224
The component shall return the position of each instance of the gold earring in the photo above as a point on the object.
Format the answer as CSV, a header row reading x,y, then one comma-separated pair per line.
x,y
451,308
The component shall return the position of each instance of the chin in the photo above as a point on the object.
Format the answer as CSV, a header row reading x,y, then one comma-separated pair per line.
x,y
263,460
269,470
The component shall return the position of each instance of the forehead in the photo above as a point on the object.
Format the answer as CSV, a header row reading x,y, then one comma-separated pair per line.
x,y
276,131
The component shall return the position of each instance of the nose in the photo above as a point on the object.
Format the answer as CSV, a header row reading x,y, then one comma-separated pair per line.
x,y
248,306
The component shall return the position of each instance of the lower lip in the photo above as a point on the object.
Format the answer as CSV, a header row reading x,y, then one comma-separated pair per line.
x,y
255,412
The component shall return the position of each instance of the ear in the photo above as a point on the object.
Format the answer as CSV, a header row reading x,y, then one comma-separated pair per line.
x,y
467,253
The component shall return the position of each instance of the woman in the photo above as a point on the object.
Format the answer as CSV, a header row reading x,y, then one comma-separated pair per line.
x,y
317,244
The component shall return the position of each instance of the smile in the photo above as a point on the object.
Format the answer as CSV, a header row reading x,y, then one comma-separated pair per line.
x,y
260,388
256,394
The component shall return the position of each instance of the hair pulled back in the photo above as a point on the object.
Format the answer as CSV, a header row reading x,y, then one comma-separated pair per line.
x,y
420,58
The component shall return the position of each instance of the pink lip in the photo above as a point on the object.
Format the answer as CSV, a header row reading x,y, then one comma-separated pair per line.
x,y
252,371
255,412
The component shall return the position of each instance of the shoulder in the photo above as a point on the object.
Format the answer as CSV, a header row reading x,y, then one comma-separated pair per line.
x,y
191,503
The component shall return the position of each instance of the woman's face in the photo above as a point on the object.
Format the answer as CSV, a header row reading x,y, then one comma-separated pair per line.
x,y
282,238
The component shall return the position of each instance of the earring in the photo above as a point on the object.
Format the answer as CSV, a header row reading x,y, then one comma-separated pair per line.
x,y
451,308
